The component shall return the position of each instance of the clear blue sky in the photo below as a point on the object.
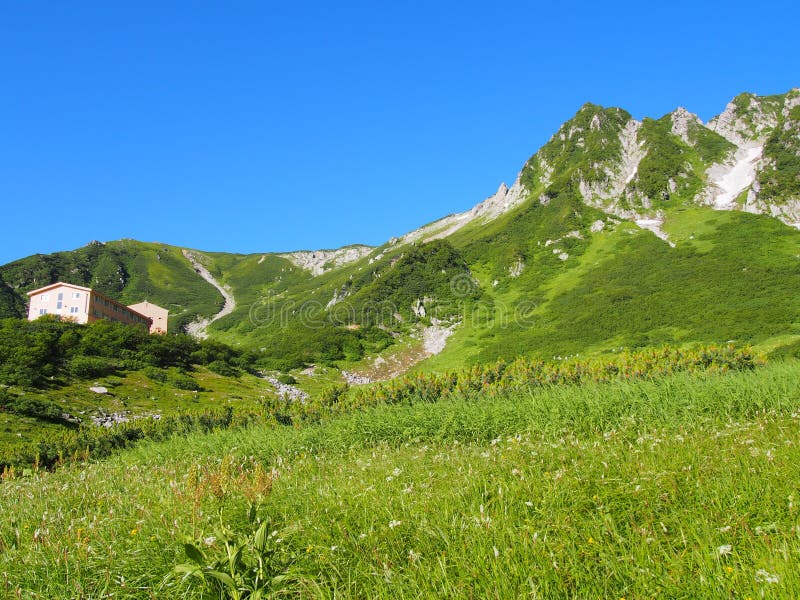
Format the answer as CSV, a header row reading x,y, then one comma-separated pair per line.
x,y
271,126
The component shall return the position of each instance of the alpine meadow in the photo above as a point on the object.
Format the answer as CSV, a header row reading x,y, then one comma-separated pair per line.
x,y
586,386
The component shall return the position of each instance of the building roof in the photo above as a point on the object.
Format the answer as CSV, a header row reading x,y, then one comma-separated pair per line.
x,y
147,305
58,284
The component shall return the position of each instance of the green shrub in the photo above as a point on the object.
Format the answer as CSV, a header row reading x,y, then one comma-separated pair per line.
x,y
222,368
37,408
87,367
286,378
155,374
182,381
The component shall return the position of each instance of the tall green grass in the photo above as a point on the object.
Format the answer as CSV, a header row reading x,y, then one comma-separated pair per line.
x,y
682,486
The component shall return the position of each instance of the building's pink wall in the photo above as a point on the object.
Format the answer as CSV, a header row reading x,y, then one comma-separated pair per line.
x,y
103,307
64,300
160,316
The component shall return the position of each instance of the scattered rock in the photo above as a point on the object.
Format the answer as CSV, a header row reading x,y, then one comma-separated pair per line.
x,y
287,391
355,378
516,269
99,389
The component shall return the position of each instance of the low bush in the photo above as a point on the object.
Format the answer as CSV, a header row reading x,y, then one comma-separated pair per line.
x,y
87,367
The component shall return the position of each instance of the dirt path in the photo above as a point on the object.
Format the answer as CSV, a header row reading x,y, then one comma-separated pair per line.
x,y
395,364
199,328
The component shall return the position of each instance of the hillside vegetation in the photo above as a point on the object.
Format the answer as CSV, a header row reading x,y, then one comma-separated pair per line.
x,y
59,381
612,241
679,486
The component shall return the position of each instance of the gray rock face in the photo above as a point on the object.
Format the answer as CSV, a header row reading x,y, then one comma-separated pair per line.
x,y
320,261
742,126
682,120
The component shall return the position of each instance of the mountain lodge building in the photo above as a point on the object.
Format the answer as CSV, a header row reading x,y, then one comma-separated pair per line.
x,y
85,305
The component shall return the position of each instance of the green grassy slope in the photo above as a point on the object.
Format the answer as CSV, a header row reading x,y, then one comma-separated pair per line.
x,y
731,276
684,486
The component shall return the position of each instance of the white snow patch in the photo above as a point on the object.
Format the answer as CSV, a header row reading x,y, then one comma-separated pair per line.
x,y
654,225
729,179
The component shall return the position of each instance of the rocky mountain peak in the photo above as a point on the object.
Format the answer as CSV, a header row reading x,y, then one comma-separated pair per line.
x,y
682,121
748,118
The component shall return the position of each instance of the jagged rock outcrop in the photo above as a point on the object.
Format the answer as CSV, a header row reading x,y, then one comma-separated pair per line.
x,y
502,201
320,261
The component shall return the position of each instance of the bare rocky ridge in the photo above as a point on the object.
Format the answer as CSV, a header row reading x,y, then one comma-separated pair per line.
x,y
503,200
608,196
725,182
199,328
320,261
741,129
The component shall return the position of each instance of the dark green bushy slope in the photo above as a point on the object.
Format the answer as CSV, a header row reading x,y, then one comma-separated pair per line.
x,y
645,293
11,305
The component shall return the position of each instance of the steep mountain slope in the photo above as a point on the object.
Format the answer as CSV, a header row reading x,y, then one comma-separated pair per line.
x,y
617,232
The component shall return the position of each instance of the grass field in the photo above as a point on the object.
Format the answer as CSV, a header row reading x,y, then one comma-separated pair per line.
x,y
680,487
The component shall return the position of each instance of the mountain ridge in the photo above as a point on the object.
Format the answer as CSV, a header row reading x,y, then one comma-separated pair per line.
x,y
581,208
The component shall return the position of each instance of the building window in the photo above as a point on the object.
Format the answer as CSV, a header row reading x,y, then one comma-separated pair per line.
x,y
73,310
45,297
61,295
76,295
42,311
59,304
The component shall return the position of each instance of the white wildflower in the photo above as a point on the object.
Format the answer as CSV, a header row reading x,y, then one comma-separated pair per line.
x,y
393,523
725,549
763,576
